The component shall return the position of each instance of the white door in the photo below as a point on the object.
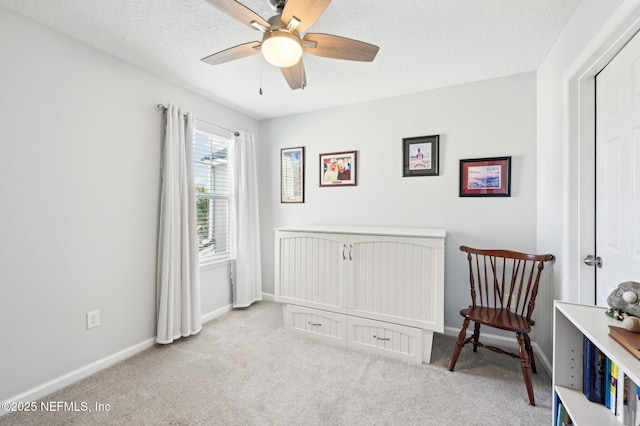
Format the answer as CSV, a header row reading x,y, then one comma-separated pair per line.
x,y
618,171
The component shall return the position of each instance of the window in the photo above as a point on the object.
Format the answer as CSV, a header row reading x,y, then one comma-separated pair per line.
x,y
212,175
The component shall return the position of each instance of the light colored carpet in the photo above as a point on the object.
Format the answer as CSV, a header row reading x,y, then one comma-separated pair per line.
x,y
244,368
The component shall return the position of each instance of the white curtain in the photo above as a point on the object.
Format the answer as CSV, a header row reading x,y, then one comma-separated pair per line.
x,y
178,280
245,270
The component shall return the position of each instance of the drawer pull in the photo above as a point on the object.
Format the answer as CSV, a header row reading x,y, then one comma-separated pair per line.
x,y
381,338
315,324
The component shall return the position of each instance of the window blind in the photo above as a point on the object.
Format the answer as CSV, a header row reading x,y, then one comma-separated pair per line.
x,y
212,171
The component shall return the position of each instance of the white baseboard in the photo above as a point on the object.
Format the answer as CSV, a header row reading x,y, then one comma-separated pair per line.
x,y
505,342
268,297
215,314
89,369
76,375
82,372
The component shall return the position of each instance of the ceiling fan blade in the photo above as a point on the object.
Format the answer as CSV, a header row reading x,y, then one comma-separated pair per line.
x,y
331,46
305,11
239,12
295,76
233,53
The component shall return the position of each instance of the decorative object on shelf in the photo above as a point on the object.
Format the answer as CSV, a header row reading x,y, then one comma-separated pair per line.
x,y
630,296
631,324
420,156
616,314
338,169
292,175
485,177
622,298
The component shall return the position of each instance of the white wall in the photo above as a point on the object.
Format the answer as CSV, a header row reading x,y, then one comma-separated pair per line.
x,y
587,19
79,180
484,119
79,184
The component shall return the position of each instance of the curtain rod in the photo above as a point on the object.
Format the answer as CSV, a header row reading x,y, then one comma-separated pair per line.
x,y
163,108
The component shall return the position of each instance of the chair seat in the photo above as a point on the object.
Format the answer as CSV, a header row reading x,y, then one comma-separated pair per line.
x,y
499,318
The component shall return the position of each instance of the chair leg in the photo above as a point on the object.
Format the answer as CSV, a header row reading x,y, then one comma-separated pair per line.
x,y
532,359
459,344
476,335
526,367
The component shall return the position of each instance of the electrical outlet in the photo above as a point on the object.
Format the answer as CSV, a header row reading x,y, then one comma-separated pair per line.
x,y
93,319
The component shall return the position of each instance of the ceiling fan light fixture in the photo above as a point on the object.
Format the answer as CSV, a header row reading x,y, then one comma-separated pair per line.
x,y
281,48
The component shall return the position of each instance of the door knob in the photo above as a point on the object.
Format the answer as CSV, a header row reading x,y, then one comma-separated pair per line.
x,y
592,260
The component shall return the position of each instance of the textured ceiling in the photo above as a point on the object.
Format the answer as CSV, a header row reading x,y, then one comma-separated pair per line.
x,y
424,44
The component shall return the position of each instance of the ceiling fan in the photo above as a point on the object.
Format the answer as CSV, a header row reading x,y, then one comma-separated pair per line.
x,y
282,44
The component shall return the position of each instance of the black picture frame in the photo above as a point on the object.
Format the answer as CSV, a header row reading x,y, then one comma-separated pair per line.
x,y
485,177
292,175
420,156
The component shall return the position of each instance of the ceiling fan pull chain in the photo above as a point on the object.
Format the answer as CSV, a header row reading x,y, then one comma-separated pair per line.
x,y
261,77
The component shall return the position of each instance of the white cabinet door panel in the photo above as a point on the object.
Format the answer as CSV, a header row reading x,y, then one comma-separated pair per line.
x,y
396,279
310,269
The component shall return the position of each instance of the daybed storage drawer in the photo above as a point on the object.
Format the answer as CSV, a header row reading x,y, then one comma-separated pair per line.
x,y
328,326
394,340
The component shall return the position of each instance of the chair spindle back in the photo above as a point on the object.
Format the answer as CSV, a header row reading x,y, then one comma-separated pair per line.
x,y
504,279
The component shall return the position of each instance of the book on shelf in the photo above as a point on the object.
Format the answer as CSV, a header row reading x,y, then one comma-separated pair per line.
x,y
601,367
560,414
628,339
562,418
607,383
636,419
588,375
593,374
628,405
622,401
632,399
613,387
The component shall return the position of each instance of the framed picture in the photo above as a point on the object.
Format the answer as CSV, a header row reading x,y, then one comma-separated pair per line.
x,y
485,177
292,175
420,156
338,169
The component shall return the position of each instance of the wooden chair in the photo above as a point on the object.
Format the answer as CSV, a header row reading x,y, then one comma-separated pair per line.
x,y
504,285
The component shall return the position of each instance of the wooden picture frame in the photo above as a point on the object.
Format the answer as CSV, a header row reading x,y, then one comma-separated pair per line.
x,y
420,156
292,175
338,169
485,177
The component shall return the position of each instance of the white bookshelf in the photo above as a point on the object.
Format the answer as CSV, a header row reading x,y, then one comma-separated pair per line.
x,y
571,323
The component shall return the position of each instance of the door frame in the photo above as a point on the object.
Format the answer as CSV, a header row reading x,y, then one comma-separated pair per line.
x,y
578,279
